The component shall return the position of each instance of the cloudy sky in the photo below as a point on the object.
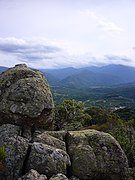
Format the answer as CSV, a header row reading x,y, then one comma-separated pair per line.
x,y
63,33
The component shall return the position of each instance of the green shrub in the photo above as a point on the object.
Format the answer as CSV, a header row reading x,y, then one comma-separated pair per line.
x,y
2,153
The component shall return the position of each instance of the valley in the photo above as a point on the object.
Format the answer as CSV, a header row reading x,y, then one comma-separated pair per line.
x,y
110,86
113,97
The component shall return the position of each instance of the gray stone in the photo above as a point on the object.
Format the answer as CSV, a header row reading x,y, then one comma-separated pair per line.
x,y
15,148
58,134
59,176
96,154
47,159
93,154
45,138
25,98
33,175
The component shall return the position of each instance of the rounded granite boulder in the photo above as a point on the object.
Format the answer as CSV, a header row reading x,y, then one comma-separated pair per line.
x,y
96,155
25,98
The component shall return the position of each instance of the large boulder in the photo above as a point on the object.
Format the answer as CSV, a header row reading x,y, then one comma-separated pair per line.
x,y
96,155
25,98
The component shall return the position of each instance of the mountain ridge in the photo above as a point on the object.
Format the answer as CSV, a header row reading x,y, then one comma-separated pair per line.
x,y
94,76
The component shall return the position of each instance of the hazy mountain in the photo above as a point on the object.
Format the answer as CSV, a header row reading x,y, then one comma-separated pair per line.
x,y
94,76
61,73
86,78
125,73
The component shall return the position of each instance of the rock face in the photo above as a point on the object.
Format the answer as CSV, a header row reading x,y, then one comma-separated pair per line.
x,y
25,98
96,155
93,154
22,155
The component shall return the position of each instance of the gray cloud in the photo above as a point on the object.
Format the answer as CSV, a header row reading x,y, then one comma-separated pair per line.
x,y
28,50
117,59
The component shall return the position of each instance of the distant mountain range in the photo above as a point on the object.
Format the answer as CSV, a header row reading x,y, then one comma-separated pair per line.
x,y
93,76
89,77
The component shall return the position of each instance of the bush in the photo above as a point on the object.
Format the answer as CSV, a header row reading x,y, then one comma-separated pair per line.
x,y
71,115
2,153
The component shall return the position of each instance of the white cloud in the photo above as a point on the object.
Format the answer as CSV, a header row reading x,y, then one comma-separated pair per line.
x,y
109,26
101,22
27,49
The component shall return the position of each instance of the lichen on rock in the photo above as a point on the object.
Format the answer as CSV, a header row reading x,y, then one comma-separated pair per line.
x,y
96,155
47,159
46,138
25,98
16,149
89,154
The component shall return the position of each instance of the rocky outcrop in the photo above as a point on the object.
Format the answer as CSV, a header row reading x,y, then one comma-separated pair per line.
x,y
25,98
26,109
22,155
84,154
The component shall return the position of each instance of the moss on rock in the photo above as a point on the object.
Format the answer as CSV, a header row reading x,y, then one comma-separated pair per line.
x,y
96,154
25,98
